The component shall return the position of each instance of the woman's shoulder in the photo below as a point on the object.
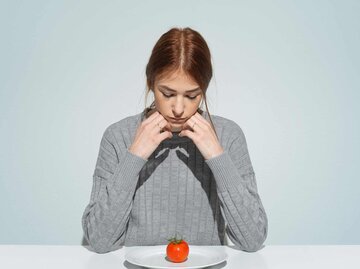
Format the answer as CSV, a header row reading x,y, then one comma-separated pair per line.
x,y
228,129
124,128
125,122
221,120
224,122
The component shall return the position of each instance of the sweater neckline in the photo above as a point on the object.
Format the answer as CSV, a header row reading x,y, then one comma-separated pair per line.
x,y
177,139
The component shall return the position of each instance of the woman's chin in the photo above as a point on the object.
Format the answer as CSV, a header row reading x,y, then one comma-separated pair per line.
x,y
176,127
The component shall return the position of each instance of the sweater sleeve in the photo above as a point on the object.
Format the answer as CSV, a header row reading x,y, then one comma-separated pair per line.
x,y
105,218
240,204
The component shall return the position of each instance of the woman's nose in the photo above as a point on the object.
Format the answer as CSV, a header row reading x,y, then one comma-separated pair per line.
x,y
178,107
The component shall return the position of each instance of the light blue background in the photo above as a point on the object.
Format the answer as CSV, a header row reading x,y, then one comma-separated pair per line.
x,y
286,71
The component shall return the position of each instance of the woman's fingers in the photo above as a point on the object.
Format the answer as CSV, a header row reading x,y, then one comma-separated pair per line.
x,y
189,134
157,121
161,124
167,126
166,134
200,118
194,124
153,116
154,121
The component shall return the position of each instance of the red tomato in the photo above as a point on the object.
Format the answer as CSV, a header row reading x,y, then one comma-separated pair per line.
x,y
177,250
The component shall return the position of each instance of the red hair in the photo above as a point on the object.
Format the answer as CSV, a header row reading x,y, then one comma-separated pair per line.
x,y
181,49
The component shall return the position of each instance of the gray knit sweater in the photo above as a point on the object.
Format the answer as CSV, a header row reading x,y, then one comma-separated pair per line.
x,y
136,201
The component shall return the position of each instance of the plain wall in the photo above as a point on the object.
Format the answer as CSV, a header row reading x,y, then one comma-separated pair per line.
x,y
286,71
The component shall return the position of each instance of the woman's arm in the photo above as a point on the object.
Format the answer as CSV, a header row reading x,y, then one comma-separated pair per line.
x,y
105,218
241,206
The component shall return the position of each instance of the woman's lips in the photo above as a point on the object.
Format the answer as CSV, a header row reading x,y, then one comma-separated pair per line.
x,y
181,120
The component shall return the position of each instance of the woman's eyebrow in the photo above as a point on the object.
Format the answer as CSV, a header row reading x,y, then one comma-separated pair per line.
x,y
172,90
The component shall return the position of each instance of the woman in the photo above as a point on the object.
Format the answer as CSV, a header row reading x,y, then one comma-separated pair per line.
x,y
174,169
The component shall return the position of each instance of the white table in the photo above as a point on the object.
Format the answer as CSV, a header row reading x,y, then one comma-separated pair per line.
x,y
291,256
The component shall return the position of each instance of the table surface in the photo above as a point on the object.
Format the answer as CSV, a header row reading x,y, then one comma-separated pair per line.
x,y
274,256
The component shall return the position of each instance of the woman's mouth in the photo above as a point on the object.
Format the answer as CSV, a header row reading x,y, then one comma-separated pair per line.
x,y
177,120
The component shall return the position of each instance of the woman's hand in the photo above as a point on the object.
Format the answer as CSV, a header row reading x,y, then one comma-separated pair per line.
x,y
200,131
148,135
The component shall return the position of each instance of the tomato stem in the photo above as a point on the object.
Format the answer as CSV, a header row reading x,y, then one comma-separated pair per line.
x,y
176,240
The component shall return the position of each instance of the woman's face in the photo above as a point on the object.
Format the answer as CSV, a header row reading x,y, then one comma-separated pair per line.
x,y
177,98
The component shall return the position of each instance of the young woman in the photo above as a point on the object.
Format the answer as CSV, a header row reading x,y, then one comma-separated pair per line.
x,y
173,168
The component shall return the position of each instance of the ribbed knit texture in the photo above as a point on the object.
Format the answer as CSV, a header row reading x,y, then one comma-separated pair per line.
x,y
136,201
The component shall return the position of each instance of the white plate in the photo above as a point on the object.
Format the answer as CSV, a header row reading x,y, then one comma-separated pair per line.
x,y
154,257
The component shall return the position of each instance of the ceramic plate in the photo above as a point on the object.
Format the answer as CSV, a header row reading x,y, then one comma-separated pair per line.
x,y
155,257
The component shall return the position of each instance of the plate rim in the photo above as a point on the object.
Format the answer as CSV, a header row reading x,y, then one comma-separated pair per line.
x,y
224,258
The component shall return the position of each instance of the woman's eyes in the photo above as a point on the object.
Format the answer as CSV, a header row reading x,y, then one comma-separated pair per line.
x,y
168,96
